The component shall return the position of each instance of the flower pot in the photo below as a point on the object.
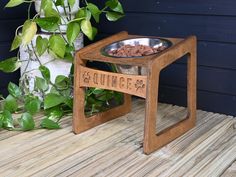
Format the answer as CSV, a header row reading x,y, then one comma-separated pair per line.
x,y
64,20
29,68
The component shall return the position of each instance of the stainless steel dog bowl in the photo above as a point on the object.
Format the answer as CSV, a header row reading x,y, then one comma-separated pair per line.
x,y
127,69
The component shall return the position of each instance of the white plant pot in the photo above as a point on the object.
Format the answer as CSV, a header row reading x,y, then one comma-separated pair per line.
x,y
64,21
29,68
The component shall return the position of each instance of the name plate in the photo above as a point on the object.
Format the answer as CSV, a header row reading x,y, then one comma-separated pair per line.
x,y
130,84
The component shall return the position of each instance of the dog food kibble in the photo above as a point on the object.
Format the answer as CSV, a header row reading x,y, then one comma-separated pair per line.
x,y
135,51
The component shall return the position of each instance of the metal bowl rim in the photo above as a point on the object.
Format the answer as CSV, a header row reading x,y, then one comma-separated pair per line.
x,y
159,38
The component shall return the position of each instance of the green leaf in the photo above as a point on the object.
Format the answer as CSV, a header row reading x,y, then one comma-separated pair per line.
x,y
69,53
1,121
94,11
16,42
10,104
45,72
87,29
71,3
33,105
62,82
52,13
72,31
118,8
112,3
118,97
69,102
103,97
66,92
114,16
7,121
115,5
95,31
55,113
49,124
14,90
41,84
48,23
109,94
71,75
46,4
83,13
26,122
49,11
113,67
41,45
69,48
97,91
10,65
54,90
52,99
57,45
13,3
59,3
29,30
69,57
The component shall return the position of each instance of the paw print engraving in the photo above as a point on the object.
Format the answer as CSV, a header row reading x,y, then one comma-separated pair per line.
x,y
86,77
139,85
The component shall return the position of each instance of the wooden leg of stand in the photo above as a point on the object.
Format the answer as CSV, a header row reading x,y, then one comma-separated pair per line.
x,y
150,139
80,121
153,141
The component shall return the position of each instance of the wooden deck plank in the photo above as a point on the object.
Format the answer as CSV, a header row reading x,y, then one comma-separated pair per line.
x,y
139,138
231,171
168,154
130,133
52,152
189,162
115,148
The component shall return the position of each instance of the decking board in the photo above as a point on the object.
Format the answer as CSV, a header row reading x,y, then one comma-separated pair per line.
x,y
115,148
231,171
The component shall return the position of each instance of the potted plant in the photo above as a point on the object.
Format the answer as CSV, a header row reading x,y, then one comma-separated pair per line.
x,y
62,23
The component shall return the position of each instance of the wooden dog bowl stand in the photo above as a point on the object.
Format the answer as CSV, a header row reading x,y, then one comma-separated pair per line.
x,y
145,86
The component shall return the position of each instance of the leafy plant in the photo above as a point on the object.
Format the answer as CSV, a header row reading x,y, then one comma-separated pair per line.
x,y
55,99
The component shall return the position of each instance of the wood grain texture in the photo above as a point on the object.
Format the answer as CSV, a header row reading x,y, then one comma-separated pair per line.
x,y
80,121
129,84
231,171
115,148
153,141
